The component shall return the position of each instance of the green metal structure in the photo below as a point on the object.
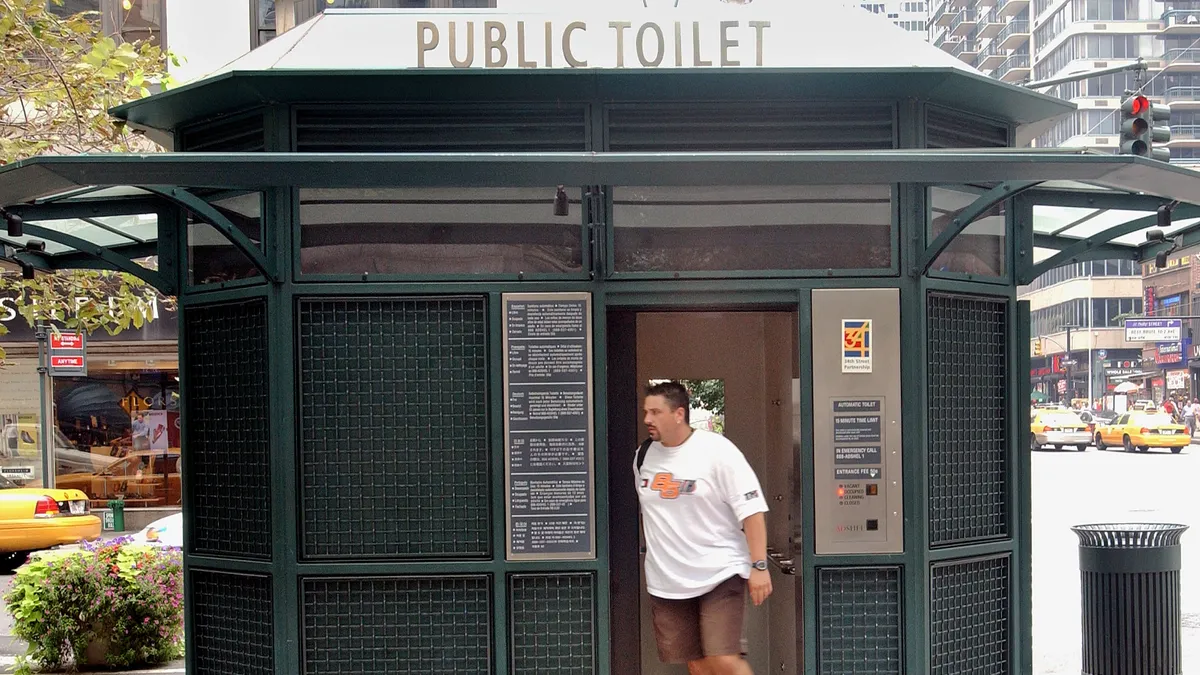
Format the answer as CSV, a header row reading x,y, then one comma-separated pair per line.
x,y
344,488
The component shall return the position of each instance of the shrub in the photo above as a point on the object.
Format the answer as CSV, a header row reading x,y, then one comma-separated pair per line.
x,y
111,603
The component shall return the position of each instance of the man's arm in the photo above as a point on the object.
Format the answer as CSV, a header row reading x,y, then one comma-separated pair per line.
x,y
755,527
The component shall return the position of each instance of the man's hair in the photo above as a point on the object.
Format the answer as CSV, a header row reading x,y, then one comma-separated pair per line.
x,y
676,396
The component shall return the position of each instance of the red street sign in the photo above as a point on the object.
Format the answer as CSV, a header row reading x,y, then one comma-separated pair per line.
x,y
66,341
66,362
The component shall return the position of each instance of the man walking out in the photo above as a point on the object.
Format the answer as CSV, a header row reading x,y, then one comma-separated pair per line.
x,y
706,537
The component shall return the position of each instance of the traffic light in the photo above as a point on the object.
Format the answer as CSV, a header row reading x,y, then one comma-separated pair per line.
x,y
1037,347
1136,126
1160,131
1145,128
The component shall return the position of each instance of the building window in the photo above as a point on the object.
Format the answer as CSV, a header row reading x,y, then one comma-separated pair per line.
x,y
1091,268
1083,313
131,20
262,28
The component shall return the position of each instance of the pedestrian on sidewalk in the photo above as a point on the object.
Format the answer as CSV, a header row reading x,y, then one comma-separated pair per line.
x,y
1189,416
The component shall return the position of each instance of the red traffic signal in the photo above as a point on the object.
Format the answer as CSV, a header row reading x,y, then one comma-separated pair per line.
x,y
1137,105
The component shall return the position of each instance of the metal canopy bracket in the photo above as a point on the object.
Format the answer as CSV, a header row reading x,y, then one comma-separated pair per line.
x,y
977,208
1074,252
116,261
222,224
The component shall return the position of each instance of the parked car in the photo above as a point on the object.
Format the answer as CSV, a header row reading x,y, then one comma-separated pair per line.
x,y
146,478
1058,428
165,532
1142,430
32,519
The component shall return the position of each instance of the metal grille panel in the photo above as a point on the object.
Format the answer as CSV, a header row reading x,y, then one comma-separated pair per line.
x,y
384,626
553,624
970,612
947,129
228,449
747,126
233,633
968,419
860,621
394,444
246,133
442,127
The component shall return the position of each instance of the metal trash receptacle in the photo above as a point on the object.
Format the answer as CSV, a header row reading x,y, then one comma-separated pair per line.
x,y
116,507
1129,587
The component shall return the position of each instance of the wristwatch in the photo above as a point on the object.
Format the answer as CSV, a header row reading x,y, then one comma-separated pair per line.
x,y
760,565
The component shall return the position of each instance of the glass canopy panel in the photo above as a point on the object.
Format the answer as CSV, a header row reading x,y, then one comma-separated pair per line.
x,y
141,228
1138,238
107,231
52,247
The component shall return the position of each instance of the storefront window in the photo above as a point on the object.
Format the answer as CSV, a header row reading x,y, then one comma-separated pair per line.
x,y
701,229
95,424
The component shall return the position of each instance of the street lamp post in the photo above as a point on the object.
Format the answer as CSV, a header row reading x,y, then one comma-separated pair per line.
x,y
1070,361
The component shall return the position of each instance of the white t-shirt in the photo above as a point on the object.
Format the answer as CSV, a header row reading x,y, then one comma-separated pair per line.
x,y
694,498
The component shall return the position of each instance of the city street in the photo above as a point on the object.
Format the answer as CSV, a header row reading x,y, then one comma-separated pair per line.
x,y
1071,488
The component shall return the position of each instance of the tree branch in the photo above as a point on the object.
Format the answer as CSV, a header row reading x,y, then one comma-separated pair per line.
x,y
50,61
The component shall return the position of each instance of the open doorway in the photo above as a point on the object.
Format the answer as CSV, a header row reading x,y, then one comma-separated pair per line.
x,y
742,370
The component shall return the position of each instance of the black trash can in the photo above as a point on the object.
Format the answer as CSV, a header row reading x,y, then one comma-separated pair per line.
x,y
1129,574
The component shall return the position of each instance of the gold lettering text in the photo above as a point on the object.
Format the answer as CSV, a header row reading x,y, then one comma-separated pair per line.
x,y
567,53
727,43
494,53
454,60
620,27
641,45
427,40
759,27
696,60
522,62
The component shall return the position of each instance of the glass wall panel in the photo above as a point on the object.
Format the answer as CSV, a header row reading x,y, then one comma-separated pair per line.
x,y
439,231
979,249
212,258
700,229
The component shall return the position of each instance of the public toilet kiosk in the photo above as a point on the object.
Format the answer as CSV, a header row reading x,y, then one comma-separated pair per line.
x,y
421,299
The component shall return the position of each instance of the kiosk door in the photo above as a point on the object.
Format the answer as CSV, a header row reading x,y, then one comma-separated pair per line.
x,y
746,365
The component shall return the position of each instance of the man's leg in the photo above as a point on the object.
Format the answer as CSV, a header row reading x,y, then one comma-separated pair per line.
x,y
677,632
722,613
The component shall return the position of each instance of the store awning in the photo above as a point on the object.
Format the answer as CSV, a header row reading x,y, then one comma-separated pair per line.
x,y
1084,204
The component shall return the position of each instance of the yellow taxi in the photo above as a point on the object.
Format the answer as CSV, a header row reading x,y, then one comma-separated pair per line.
x,y
1058,427
32,519
1141,430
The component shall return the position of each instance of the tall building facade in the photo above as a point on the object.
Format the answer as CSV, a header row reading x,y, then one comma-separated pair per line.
x,y
1020,41
991,35
1078,350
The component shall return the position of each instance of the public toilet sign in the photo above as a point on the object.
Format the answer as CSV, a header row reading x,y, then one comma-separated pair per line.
x,y
527,35
68,355
1153,330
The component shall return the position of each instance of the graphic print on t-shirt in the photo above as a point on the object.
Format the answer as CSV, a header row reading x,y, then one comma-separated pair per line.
x,y
667,487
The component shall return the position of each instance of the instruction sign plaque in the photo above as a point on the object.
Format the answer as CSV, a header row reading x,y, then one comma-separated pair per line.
x,y
549,466
858,480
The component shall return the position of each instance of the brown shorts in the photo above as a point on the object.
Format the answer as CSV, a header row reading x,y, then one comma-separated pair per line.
x,y
708,625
